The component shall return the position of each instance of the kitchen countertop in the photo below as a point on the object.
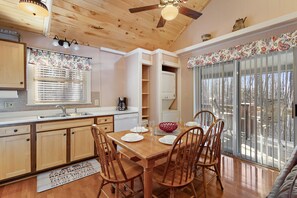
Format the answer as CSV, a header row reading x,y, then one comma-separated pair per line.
x,y
32,116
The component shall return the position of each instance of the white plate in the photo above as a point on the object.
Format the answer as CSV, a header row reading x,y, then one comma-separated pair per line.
x,y
139,130
168,139
190,124
132,137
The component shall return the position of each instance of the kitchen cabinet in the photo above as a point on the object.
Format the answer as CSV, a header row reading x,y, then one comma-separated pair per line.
x,y
50,149
15,151
54,143
105,123
82,143
12,65
15,155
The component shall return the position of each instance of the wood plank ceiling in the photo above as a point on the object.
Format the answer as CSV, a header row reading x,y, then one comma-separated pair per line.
x,y
105,23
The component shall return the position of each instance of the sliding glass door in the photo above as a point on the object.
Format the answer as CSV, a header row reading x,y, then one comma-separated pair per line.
x,y
215,92
266,100
255,97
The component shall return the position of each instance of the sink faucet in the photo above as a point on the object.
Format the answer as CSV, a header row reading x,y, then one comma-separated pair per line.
x,y
62,108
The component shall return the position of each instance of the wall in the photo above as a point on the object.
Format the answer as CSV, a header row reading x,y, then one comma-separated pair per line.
x,y
107,70
219,22
219,17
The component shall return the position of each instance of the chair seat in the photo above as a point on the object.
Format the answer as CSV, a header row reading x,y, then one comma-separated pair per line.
x,y
159,172
131,168
207,163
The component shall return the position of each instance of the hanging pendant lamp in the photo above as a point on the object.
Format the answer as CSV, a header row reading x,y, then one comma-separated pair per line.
x,y
35,7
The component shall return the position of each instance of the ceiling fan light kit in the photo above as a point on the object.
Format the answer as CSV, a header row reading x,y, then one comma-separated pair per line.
x,y
65,43
35,7
170,10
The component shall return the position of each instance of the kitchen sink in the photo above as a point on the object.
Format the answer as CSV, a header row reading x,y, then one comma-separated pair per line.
x,y
78,114
64,115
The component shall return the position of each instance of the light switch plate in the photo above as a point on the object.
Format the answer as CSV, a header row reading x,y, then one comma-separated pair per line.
x,y
8,105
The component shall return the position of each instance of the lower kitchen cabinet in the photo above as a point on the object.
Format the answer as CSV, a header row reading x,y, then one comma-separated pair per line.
x,y
15,156
82,143
51,149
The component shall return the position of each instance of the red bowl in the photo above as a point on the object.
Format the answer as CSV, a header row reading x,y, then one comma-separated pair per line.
x,y
168,126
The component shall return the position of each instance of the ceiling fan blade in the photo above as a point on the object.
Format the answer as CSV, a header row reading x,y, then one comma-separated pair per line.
x,y
144,8
161,23
189,12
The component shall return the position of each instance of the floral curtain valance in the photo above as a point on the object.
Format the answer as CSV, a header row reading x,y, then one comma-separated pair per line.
x,y
55,59
272,44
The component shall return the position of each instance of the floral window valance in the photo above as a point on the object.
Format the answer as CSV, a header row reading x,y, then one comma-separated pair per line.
x,y
265,46
56,59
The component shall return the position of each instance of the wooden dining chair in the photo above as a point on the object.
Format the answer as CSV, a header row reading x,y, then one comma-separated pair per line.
x,y
210,157
204,118
178,171
115,170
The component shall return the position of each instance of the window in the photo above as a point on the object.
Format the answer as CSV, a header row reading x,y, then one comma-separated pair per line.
x,y
55,78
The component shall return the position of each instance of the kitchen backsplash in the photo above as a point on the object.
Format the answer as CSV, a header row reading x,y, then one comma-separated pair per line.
x,y
20,103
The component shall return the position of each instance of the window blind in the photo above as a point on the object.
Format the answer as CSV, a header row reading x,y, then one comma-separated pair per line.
x,y
55,78
59,85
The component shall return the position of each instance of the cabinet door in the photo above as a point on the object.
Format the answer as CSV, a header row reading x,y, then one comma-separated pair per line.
x,y
12,65
82,143
51,149
15,156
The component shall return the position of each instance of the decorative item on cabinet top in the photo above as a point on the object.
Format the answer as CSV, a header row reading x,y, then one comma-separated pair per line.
x,y
239,24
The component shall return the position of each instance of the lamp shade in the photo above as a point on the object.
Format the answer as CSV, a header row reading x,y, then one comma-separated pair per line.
x,y
35,7
75,46
169,12
55,42
66,44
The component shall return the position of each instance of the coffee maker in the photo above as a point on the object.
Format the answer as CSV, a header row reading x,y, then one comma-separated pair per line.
x,y
122,104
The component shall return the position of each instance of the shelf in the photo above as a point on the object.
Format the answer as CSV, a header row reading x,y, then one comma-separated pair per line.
x,y
145,80
145,116
145,107
146,93
263,27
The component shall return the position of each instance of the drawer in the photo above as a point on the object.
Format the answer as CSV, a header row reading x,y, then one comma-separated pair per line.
x,y
106,127
105,119
64,124
15,130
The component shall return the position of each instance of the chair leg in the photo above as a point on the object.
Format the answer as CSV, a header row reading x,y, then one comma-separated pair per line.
x,y
204,180
218,176
171,193
193,189
100,188
141,181
117,191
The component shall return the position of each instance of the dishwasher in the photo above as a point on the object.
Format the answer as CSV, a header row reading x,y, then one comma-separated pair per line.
x,y
125,122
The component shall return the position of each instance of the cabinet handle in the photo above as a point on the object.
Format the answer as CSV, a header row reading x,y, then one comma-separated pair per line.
x,y
105,128
21,83
28,139
105,120
64,134
72,132
15,130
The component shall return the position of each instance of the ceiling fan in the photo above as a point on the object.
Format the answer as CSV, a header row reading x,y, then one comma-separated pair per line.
x,y
170,9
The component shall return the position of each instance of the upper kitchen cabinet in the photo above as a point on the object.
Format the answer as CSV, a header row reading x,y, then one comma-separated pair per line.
x,y
12,65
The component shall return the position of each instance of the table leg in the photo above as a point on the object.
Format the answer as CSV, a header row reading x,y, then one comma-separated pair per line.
x,y
148,181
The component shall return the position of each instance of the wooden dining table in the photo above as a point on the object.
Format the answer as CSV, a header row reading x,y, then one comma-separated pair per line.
x,y
149,150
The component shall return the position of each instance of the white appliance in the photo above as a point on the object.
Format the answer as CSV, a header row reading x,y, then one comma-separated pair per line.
x,y
125,122
168,96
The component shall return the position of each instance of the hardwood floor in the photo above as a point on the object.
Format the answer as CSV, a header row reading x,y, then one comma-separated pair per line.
x,y
240,179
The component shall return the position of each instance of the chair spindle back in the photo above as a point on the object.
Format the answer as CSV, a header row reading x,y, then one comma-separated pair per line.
x,y
182,157
107,155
